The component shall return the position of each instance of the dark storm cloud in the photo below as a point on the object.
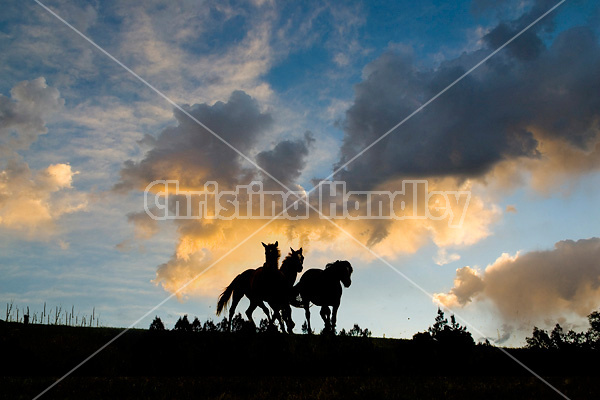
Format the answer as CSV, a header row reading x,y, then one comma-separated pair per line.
x,y
286,160
193,155
487,118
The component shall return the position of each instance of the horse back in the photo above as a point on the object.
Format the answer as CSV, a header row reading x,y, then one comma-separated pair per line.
x,y
318,287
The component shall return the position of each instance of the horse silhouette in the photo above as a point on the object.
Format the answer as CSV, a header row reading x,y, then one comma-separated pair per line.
x,y
275,287
323,288
242,284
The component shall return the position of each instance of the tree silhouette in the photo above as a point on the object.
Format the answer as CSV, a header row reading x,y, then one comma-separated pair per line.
x,y
265,326
539,339
593,333
196,325
439,325
183,324
237,323
223,326
557,336
209,326
157,324
557,339
358,332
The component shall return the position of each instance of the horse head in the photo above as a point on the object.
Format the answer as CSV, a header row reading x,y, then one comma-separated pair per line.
x,y
272,254
342,270
298,258
346,272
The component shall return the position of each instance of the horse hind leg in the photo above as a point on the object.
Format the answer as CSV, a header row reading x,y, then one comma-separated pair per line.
x,y
265,310
277,316
234,302
287,316
250,310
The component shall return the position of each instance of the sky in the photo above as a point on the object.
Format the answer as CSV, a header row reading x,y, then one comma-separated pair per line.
x,y
298,89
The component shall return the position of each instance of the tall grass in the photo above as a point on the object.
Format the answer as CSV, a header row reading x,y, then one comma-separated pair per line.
x,y
51,316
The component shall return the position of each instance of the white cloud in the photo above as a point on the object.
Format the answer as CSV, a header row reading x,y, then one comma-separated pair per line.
x,y
31,201
443,258
534,286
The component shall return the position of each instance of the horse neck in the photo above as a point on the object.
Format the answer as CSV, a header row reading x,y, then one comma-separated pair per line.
x,y
288,270
272,264
333,274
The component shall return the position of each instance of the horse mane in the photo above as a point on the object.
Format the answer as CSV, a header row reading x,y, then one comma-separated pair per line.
x,y
339,264
334,264
287,259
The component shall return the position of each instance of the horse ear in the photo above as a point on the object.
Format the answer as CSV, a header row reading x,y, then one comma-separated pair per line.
x,y
264,245
292,250
276,243
300,251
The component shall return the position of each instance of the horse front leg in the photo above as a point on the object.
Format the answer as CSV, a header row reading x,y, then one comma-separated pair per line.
x,y
325,314
307,315
334,316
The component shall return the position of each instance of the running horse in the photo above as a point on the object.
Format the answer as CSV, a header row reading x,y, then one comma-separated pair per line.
x,y
242,284
323,288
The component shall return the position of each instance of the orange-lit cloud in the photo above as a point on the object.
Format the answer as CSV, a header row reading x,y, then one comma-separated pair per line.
x,y
536,285
30,200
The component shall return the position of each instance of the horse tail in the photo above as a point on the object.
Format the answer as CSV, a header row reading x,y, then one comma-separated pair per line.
x,y
226,295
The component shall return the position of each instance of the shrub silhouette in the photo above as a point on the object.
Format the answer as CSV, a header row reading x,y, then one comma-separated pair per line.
x,y
305,328
157,324
451,335
356,331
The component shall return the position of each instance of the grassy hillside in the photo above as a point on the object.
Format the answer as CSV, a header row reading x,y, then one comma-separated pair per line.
x,y
144,364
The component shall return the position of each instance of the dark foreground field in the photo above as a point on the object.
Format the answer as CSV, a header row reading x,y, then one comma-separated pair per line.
x,y
173,365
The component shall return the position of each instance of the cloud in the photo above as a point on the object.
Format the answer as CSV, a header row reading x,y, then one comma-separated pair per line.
x,y
443,258
536,285
521,106
193,155
22,116
286,160
499,124
185,51
32,200
144,226
186,152
511,209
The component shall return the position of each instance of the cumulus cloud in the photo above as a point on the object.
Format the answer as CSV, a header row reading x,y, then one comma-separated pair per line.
x,y
188,153
514,107
536,285
32,200
193,155
499,121
22,116
286,160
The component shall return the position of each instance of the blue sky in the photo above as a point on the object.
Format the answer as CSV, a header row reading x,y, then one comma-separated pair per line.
x,y
81,138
